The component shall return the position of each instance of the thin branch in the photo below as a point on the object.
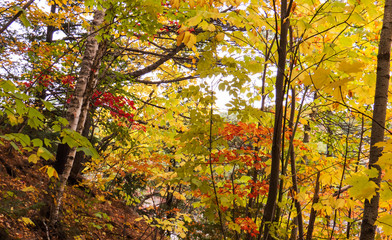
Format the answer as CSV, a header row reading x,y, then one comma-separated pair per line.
x,y
165,81
156,64
16,16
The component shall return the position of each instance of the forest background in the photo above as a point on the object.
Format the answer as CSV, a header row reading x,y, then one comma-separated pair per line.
x,y
115,102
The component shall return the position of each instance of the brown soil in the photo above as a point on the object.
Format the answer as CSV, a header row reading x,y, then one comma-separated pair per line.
x,y
86,214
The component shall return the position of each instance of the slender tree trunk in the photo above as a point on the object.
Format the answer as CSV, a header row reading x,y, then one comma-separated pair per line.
x,y
51,29
299,219
370,213
75,109
276,141
313,213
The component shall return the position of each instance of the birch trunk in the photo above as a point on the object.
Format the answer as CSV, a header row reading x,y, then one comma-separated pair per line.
x,y
76,105
370,212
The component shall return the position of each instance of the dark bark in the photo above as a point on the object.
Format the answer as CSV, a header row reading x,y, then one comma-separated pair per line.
x,y
61,158
51,29
370,213
80,157
299,219
277,136
156,64
313,213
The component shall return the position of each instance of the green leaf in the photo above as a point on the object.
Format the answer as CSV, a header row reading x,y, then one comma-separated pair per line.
x,y
47,142
15,147
89,151
24,20
37,142
56,128
245,179
63,121
44,153
196,181
48,105
109,226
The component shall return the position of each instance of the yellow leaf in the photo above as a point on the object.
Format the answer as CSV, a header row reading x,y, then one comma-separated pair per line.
x,y
180,38
211,28
190,40
175,3
303,121
101,198
351,67
179,196
362,188
27,221
52,172
386,223
321,77
339,203
28,189
12,119
33,158
187,218
220,36
194,20
194,49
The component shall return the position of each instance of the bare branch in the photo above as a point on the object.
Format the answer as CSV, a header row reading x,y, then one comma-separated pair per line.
x,y
156,64
166,81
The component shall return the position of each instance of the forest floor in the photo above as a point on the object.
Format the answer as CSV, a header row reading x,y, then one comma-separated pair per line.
x,y
86,214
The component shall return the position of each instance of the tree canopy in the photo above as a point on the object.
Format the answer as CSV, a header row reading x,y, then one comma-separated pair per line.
x,y
122,101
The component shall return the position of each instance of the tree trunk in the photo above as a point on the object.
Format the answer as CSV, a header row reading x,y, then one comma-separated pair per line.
x,y
51,29
276,141
313,213
299,219
75,109
370,212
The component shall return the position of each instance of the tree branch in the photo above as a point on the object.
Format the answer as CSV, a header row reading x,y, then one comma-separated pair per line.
x,y
154,54
156,64
165,81
16,16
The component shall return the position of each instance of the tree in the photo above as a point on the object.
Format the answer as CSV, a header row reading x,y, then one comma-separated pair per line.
x,y
279,98
370,212
138,89
76,118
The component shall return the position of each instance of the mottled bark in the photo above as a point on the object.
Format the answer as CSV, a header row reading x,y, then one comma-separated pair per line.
x,y
74,111
370,213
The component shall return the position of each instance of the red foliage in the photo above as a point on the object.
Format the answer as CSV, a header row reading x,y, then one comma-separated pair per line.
x,y
114,103
248,225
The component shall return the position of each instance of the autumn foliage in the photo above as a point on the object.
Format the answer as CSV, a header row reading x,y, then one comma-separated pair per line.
x,y
220,119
